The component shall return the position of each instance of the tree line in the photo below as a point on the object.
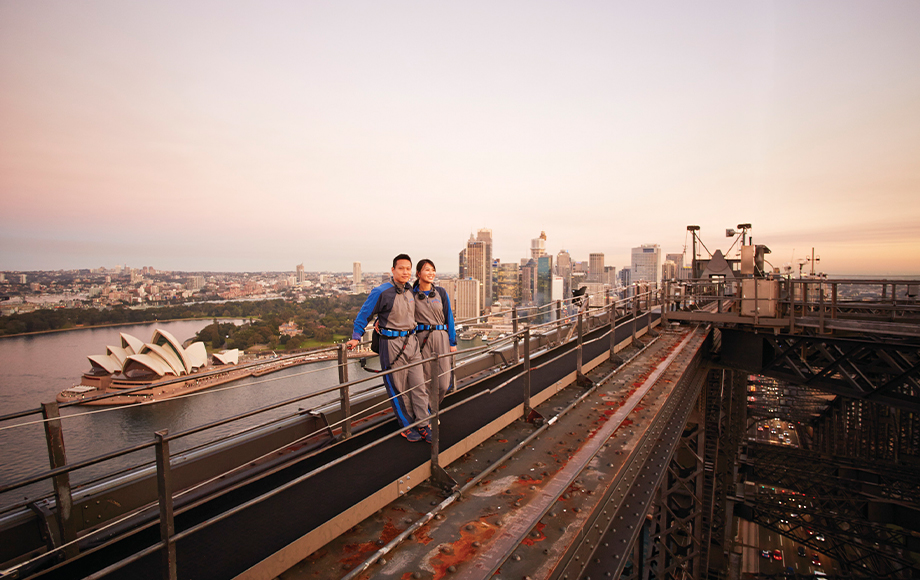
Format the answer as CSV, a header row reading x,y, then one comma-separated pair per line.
x,y
321,318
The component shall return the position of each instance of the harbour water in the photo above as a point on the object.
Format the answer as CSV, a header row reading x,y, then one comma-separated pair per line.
x,y
34,369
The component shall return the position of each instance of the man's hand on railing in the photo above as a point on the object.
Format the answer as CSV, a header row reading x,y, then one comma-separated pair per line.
x,y
351,344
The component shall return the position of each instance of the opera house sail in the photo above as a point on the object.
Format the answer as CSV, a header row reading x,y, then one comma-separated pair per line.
x,y
135,371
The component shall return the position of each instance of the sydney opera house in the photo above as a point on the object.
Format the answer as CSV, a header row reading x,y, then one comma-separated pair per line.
x,y
134,364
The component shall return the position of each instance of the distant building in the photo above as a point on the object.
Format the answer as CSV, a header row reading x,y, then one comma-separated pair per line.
x,y
479,266
595,267
610,276
23,278
508,281
543,289
301,275
669,270
484,235
538,246
678,259
468,292
564,271
194,283
646,263
528,281
357,280
290,329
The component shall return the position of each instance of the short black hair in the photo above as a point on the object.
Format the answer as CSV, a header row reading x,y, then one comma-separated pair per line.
x,y
421,264
401,257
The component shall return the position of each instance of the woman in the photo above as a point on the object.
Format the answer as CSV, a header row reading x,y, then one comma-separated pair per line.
x,y
435,330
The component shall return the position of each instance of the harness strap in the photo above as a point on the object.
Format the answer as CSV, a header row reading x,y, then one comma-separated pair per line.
x,y
395,333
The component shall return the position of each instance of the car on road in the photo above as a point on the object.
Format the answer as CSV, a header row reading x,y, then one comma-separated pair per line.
x,y
766,554
777,555
801,551
815,560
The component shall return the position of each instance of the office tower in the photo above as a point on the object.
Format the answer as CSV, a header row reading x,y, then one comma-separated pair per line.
x,y
508,281
528,281
543,288
625,277
564,271
668,270
646,263
610,276
22,278
301,275
595,267
461,264
450,286
484,235
678,259
468,292
538,246
478,267
356,272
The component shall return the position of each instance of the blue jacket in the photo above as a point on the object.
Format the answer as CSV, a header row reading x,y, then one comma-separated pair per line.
x,y
394,308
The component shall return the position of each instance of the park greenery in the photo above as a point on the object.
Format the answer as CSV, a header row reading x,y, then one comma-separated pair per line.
x,y
322,320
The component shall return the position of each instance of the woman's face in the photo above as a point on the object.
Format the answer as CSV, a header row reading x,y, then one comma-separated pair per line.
x,y
427,274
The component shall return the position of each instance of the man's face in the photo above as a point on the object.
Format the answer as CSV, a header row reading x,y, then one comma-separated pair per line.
x,y
402,271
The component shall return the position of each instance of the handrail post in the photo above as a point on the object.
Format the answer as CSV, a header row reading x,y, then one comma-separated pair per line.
x,y
833,301
579,355
791,306
666,301
344,398
164,491
438,474
559,321
635,310
514,330
54,435
434,400
612,319
527,407
821,307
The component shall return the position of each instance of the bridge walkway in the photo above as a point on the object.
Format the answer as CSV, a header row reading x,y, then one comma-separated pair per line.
x,y
536,500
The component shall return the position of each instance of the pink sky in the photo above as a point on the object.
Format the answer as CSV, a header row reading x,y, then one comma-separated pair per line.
x,y
256,136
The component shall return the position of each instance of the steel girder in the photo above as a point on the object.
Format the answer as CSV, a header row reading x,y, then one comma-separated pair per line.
x,y
866,431
884,372
864,510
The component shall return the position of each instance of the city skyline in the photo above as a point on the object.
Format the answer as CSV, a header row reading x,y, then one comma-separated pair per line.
x,y
261,137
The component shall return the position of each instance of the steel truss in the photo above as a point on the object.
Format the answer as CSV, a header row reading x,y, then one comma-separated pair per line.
x,y
864,510
866,431
884,372
687,534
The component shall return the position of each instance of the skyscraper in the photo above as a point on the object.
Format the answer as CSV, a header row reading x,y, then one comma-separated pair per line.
x,y
528,281
596,267
301,275
543,292
538,246
508,281
484,235
564,271
356,277
479,267
468,292
646,263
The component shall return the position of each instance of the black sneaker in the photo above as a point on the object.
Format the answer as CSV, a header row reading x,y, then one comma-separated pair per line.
x,y
412,435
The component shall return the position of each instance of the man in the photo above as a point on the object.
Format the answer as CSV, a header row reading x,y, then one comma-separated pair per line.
x,y
394,305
